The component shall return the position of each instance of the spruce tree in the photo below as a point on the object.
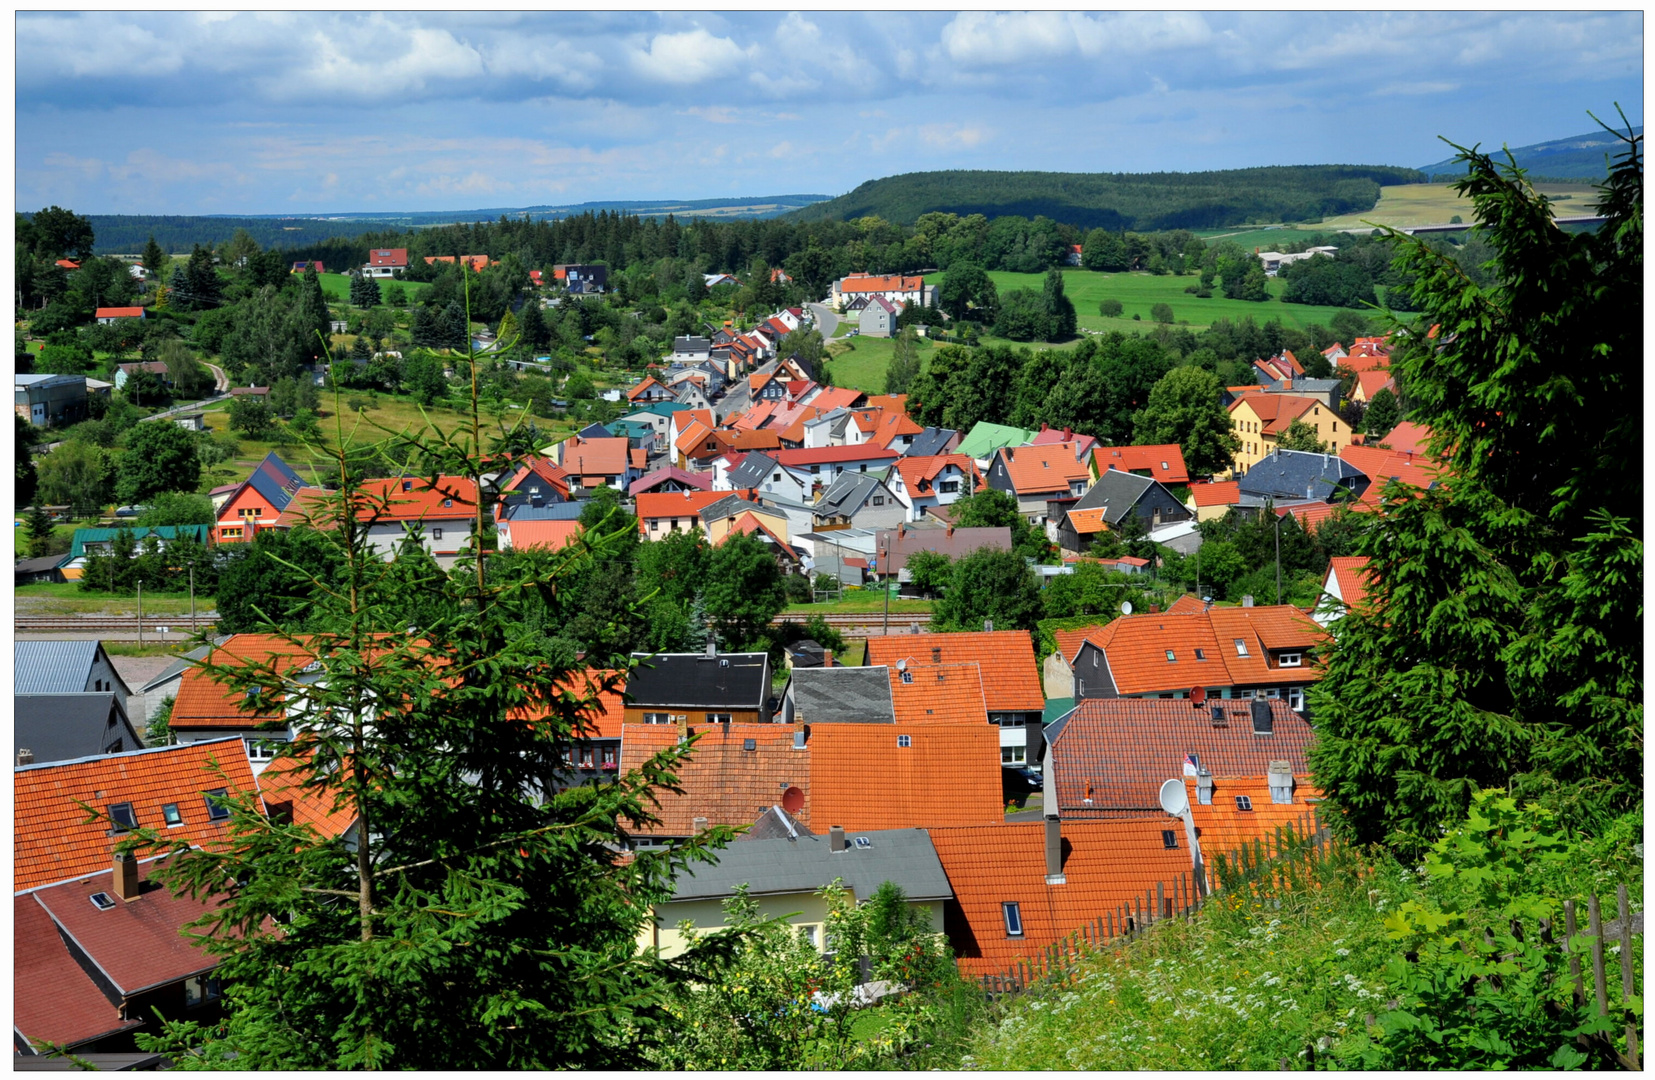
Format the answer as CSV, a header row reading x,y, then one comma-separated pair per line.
x,y
364,290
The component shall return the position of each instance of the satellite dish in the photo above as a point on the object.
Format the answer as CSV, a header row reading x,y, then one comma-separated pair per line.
x,y
1174,799
1198,695
793,800
1126,607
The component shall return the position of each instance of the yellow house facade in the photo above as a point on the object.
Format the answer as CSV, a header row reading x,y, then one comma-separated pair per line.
x,y
1259,421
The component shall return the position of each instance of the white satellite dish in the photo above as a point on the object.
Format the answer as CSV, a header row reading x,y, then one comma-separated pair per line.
x,y
1174,799
1126,607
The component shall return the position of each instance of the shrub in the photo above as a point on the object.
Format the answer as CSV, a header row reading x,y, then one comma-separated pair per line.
x,y
1161,313
1110,308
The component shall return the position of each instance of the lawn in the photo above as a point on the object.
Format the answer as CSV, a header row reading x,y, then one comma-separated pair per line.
x,y
338,287
1139,291
862,362
860,602
66,598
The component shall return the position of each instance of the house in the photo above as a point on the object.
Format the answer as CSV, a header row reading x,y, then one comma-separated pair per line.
x,y
443,517
171,787
670,479
1106,504
50,400
1369,383
789,559
838,695
96,956
163,686
720,518
1110,758
1410,438
205,710
102,541
260,393
1228,652
713,281
878,319
581,277
108,316
538,481
1345,587
860,500
1260,420
1021,887
925,482
257,501
62,727
700,688
1036,475
1232,812
1163,462
820,466
659,416
39,571
1072,258
598,462
1324,390
759,471
1297,474
595,753
1213,500
824,774
66,667
785,875
894,546
690,350
648,391
985,438
191,421
552,533
386,262
1009,677
301,266
124,372
664,512
895,288
933,442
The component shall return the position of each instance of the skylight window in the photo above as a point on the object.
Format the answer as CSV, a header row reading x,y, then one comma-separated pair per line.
x,y
1014,919
905,740
171,815
1241,647
1244,802
216,810
1171,657
1200,654
123,816
102,901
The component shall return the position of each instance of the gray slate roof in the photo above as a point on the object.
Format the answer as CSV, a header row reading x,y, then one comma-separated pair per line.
x,y
774,824
754,469
904,857
1116,492
526,511
1296,474
178,666
63,727
930,441
56,667
842,695
847,493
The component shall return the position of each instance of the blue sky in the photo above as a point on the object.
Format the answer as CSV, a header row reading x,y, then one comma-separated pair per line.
x,y
185,113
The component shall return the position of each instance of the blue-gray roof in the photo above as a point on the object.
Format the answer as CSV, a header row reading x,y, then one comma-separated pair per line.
x,y
65,727
558,511
55,667
275,481
1298,474
904,857
931,441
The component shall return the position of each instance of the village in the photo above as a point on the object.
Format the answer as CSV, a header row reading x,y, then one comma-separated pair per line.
x,y
1013,784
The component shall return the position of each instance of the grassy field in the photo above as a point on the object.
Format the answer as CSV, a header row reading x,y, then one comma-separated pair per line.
x,y
338,287
1138,292
66,598
860,601
862,361
1407,205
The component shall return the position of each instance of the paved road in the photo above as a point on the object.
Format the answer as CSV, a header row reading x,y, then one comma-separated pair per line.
x,y
826,321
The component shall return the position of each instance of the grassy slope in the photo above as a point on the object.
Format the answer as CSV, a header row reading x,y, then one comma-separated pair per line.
x,y
1405,205
863,361
338,287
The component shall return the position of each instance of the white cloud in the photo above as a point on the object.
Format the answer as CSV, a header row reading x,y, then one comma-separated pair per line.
x,y
690,57
1416,89
987,39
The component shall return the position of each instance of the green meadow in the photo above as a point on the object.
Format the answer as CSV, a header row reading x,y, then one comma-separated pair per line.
x,y
338,287
860,362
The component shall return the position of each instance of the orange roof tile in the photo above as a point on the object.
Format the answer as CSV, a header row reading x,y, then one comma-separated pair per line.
x,y
652,505
836,397
1010,675
52,838
1087,522
643,388
1106,864
1184,605
413,498
323,808
1070,641
1353,576
867,283
1036,469
202,702
920,473
1164,462
1225,827
595,457
1410,438
601,691
1371,382
938,694
541,534
1276,411
862,777
1136,648
722,781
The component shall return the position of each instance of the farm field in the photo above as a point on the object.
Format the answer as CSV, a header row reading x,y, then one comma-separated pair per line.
x,y
862,363
338,287
1138,292
1407,205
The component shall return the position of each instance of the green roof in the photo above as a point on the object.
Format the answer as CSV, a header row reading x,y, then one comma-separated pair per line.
x,y
985,438
1056,707
660,408
165,532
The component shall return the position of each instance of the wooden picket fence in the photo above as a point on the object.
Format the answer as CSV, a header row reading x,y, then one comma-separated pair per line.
x,y
1054,967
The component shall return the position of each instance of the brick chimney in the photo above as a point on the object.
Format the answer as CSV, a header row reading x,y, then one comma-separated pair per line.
x,y
827,657
1054,851
126,875
25,756
699,824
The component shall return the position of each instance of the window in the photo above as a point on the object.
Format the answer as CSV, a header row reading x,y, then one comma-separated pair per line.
x,y
1241,647
1291,659
949,487
1014,919
718,718
448,503
102,901
1243,802
1200,654
259,750
200,990
1094,659
1171,657
170,814
657,718
586,757
436,534
1295,698
879,500
122,815
1273,693
905,740
777,476
907,676
609,757
811,934
232,534
1245,695
1169,838
1336,425
1013,755
216,810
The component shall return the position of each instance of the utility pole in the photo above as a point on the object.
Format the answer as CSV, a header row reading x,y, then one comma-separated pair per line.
x,y
192,601
1278,554
140,613
886,629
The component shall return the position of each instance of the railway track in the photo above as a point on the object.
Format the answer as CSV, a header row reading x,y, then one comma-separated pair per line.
x,y
108,624
869,625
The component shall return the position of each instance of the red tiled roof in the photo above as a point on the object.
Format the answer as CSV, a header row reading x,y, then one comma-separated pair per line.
x,y
1036,469
828,455
937,694
1136,648
1310,515
1089,521
1371,382
722,781
1225,827
671,504
282,786
1105,864
642,388
543,468
53,999
52,838
1184,605
595,457
1164,462
836,397
861,777
1010,674
119,313
1070,641
412,498
1410,438
865,283
1113,754
919,473
1353,576
388,257
541,534
1276,411
203,703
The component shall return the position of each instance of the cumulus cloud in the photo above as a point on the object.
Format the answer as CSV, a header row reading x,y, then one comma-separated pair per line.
x,y
690,57
989,39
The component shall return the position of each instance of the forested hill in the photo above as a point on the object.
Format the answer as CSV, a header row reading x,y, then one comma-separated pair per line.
x,y
1116,201
1579,157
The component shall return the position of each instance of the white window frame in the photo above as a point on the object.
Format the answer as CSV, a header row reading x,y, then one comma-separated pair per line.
x,y
905,741
1290,659
1012,913
1295,698
1241,648
718,718
1014,755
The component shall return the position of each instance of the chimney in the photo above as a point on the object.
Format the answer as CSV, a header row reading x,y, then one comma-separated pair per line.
x,y
801,738
1246,601
1280,777
836,838
1155,609
827,657
1204,787
1054,851
699,824
126,875
712,646
25,756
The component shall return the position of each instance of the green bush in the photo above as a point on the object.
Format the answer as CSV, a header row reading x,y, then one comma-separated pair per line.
x,y
1110,308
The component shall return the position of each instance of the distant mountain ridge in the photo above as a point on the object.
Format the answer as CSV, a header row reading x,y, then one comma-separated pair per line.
x,y
1578,157
1116,201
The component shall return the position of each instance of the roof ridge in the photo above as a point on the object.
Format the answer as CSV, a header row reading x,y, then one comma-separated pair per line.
x,y
123,753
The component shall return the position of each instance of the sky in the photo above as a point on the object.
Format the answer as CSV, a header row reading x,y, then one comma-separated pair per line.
x,y
315,112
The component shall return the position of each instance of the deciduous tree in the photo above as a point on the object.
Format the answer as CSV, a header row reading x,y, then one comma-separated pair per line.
x,y
1184,408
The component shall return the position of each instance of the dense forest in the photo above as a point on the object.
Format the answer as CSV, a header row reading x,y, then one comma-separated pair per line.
x,y
1116,201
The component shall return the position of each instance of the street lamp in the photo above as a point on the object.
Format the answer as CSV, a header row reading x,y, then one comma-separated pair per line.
x,y
1272,507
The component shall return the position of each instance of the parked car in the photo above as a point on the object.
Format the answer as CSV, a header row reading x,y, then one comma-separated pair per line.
x,y
1035,780
130,511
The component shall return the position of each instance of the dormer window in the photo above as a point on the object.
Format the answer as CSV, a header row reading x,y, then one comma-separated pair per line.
x,y
407,485
1290,659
